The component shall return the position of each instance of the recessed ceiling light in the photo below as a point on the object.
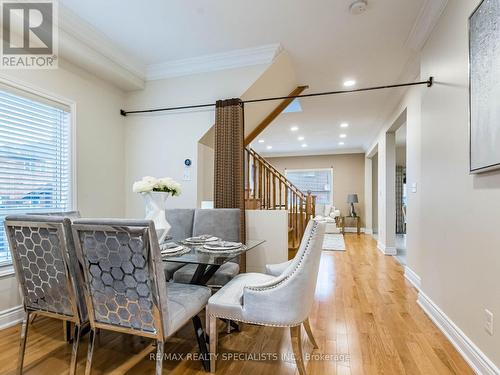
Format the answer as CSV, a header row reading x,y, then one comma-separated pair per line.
x,y
301,138
344,125
341,143
269,147
349,83
343,135
294,128
304,145
261,141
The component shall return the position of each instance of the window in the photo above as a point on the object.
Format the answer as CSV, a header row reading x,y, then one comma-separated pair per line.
x,y
35,157
318,181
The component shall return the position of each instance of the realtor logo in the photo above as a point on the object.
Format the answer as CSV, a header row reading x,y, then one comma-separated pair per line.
x,y
29,34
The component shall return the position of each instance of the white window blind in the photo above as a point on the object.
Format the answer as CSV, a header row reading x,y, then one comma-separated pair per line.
x,y
35,158
318,181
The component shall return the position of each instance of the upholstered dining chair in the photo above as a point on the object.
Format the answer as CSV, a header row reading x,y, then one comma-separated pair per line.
x,y
278,269
44,258
181,221
125,288
220,222
271,300
68,214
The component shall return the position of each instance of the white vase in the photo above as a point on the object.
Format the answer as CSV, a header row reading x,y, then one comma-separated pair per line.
x,y
154,204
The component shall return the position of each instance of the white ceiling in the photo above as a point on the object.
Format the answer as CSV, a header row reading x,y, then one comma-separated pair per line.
x,y
326,43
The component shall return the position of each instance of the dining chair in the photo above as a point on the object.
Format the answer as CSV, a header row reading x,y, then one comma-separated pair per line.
x,y
220,222
125,288
68,214
278,269
277,301
44,259
181,221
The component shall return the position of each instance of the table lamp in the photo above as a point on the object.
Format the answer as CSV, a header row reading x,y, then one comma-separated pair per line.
x,y
351,199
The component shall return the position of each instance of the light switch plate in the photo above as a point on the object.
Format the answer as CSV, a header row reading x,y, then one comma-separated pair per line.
x,y
414,187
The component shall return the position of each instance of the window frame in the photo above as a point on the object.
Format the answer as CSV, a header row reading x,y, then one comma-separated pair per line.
x,y
32,93
314,170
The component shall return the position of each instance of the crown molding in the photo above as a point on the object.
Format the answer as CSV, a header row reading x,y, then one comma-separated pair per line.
x,y
218,61
426,20
75,26
84,46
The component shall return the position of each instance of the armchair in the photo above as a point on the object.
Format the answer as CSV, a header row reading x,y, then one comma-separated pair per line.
x,y
266,300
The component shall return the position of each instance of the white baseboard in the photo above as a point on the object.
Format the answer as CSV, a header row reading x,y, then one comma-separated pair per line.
x,y
413,278
368,231
386,250
479,362
11,317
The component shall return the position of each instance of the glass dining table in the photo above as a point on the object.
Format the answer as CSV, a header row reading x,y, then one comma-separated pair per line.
x,y
208,262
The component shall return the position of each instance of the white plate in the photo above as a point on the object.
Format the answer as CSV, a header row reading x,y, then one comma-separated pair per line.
x,y
172,250
230,246
198,240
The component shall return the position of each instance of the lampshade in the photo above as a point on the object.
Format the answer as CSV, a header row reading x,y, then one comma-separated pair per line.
x,y
352,198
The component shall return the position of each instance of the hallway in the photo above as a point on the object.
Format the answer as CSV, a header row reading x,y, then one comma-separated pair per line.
x,y
365,319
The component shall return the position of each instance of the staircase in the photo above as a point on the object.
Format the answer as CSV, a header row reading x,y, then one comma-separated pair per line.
x,y
267,189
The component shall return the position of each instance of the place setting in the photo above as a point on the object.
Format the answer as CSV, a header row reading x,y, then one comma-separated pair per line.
x,y
169,249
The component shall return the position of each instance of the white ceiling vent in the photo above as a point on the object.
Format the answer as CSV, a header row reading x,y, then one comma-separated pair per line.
x,y
358,7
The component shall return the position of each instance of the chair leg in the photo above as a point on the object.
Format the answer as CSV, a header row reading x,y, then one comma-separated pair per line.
x,y
297,348
159,357
74,352
22,344
309,332
90,351
213,342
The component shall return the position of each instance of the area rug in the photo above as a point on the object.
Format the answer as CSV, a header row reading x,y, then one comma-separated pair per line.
x,y
333,242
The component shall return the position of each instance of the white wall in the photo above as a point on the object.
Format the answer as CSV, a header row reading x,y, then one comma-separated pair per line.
x,y
265,225
459,262
158,144
452,239
99,148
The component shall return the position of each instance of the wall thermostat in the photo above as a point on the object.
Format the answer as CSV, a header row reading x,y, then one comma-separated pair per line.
x,y
187,162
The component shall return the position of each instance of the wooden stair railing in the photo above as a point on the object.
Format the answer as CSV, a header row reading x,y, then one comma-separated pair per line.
x,y
268,189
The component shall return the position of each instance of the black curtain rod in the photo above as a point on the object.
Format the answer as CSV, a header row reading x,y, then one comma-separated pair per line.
x,y
429,83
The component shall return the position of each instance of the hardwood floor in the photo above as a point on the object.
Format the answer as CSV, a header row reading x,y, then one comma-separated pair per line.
x,y
365,320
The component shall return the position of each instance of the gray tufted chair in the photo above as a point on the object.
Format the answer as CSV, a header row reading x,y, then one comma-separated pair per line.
x,y
68,214
223,223
124,284
181,221
43,255
277,301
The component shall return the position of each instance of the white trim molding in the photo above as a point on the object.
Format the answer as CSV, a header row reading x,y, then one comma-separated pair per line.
x,y
386,250
11,317
426,21
218,61
6,271
479,362
413,278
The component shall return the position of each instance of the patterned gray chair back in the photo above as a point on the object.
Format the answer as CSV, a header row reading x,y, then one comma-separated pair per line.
x,y
124,283
44,258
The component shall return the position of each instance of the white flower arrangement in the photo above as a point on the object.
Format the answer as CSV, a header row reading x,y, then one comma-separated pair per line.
x,y
165,185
